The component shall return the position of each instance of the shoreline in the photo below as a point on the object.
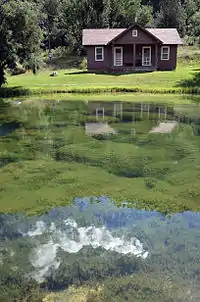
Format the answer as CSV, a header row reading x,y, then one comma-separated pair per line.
x,y
19,92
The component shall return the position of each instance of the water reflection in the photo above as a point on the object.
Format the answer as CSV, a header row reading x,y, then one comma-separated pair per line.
x,y
126,239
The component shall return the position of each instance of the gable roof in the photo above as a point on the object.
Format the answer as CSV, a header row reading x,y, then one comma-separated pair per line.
x,y
104,36
137,26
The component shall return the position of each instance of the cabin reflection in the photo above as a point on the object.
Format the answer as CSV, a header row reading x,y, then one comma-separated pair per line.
x,y
99,129
129,112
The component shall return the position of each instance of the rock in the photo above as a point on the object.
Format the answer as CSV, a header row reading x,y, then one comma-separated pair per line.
x,y
53,74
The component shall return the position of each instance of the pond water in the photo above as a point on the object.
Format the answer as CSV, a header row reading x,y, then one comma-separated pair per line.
x,y
139,238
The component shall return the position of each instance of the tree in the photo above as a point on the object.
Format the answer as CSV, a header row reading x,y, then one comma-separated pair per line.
x,y
171,14
20,35
194,28
192,12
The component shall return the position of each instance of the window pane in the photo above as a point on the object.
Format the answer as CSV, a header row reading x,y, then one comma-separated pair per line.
x,y
118,50
146,51
99,50
99,57
165,50
134,33
165,56
99,54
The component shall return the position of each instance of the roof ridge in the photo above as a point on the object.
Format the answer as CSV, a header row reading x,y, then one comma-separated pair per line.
x,y
105,28
114,28
161,28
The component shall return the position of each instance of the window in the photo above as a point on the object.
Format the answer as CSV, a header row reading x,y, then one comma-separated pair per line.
x,y
165,52
134,33
99,53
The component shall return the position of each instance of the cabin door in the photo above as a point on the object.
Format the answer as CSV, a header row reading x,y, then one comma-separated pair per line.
x,y
118,56
146,56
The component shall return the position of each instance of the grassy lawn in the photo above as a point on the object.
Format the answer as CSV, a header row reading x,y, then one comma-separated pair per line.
x,y
75,79
78,78
184,80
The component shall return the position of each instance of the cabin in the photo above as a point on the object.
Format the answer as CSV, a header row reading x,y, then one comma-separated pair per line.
x,y
133,49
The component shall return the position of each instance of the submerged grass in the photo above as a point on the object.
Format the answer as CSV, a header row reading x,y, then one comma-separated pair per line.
x,y
49,160
36,186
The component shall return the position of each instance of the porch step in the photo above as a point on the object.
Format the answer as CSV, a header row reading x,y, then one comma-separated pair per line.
x,y
145,69
134,69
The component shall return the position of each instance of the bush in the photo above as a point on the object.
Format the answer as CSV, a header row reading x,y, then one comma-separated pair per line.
x,y
83,64
150,183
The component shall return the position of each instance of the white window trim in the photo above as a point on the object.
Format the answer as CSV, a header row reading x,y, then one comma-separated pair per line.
x,y
122,55
143,48
134,33
168,53
102,48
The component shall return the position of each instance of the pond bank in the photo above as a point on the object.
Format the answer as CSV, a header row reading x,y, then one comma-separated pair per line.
x,y
68,89
111,97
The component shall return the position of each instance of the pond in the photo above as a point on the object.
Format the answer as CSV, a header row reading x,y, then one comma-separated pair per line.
x,y
111,190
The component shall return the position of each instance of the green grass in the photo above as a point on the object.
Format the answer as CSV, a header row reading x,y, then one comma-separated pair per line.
x,y
70,78
157,82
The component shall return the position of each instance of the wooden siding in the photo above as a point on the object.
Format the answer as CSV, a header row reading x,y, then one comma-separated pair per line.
x,y
172,62
142,38
97,65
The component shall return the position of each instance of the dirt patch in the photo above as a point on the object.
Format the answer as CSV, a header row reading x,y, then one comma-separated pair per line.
x,y
164,127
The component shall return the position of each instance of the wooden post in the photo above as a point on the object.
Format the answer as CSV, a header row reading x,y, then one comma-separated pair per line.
x,y
115,110
134,55
112,65
159,112
148,111
156,56
121,111
165,113
97,115
133,120
141,111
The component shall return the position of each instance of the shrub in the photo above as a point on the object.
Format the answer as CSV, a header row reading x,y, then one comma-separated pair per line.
x,y
83,64
150,183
